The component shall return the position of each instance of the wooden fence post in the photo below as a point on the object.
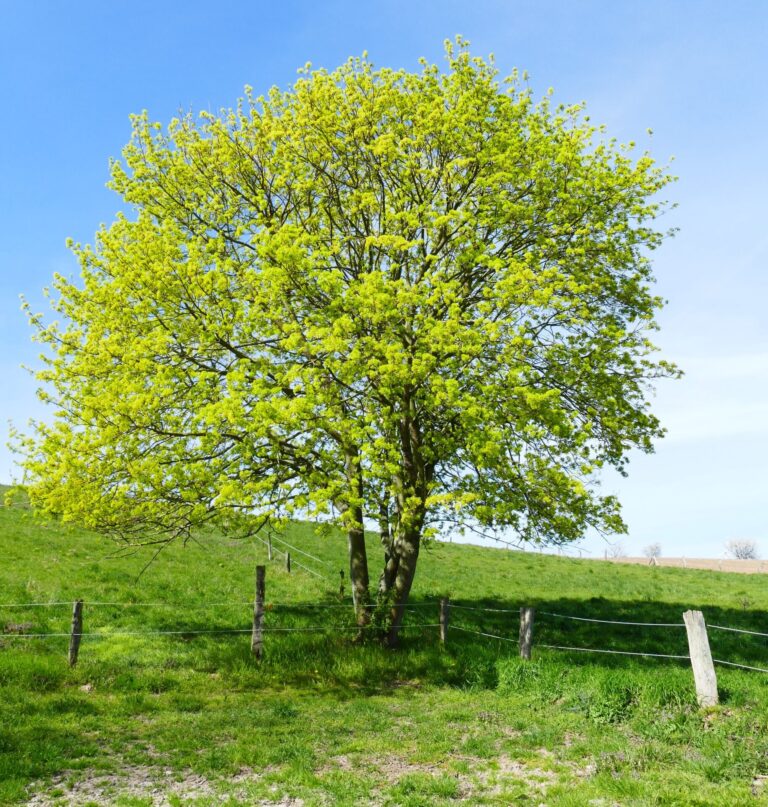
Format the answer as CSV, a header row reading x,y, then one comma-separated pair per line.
x,y
445,607
258,614
288,562
526,631
269,547
76,633
701,658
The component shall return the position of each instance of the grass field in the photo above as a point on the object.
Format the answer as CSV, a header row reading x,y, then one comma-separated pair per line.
x,y
191,718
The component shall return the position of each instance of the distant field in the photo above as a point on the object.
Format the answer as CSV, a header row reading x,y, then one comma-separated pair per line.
x,y
713,565
186,717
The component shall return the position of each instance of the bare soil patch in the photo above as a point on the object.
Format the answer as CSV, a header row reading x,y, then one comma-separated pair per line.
x,y
163,786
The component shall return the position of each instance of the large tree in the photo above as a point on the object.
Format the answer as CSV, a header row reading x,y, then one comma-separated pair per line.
x,y
413,299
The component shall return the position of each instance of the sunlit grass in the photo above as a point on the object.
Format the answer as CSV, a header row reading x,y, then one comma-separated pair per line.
x,y
332,722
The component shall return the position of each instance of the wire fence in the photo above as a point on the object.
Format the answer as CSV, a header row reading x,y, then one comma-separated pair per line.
x,y
551,628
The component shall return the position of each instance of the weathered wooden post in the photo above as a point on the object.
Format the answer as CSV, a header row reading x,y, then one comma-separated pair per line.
x,y
526,631
269,547
445,607
258,613
288,562
76,633
701,658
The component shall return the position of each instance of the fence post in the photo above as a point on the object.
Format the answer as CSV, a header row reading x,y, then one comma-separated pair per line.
x,y
258,613
269,547
526,631
445,607
288,562
341,585
76,633
701,658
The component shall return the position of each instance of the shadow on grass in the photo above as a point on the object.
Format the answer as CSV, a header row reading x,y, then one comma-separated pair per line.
x,y
191,677
331,660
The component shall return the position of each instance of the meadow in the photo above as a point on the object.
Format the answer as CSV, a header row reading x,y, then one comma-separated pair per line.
x,y
167,705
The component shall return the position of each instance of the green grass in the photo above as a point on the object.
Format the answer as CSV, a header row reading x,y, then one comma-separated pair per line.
x,y
329,722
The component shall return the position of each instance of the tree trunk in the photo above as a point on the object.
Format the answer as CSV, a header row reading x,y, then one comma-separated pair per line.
x,y
388,574
407,550
358,557
391,558
358,569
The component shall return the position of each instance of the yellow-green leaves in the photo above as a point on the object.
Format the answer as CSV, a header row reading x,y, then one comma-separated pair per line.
x,y
425,272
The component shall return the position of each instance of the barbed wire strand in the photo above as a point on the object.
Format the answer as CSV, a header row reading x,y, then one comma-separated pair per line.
x,y
294,562
299,629
481,633
563,647
615,621
612,652
199,606
341,629
741,666
737,630
301,551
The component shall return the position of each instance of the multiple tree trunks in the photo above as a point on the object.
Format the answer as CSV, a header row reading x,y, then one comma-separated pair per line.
x,y
478,305
700,655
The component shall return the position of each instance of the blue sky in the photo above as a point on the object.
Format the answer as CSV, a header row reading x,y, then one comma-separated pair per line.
x,y
694,72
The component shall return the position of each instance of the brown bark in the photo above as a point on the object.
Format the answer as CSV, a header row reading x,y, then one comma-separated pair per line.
x,y
407,549
358,570
391,558
358,557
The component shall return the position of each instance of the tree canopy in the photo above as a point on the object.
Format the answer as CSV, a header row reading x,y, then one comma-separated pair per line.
x,y
418,299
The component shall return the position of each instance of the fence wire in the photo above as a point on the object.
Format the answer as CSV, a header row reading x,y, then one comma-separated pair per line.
x,y
615,621
740,666
342,629
215,631
737,630
612,652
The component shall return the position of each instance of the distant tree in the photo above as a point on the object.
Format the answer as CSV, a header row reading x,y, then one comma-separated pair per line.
x,y
652,551
742,549
616,551
413,299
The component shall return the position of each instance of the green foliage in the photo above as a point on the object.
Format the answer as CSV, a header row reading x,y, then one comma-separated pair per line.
x,y
420,295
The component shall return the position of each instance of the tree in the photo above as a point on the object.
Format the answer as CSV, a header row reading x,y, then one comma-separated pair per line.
x,y
414,299
616,551
652,551
742,549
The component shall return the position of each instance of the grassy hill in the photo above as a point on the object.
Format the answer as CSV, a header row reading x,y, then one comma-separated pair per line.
x,y
166,701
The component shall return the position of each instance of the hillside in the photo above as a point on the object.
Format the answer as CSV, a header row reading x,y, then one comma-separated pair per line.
x,y
167,706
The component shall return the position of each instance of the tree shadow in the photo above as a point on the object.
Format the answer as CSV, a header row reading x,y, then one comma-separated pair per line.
x,y
590,634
